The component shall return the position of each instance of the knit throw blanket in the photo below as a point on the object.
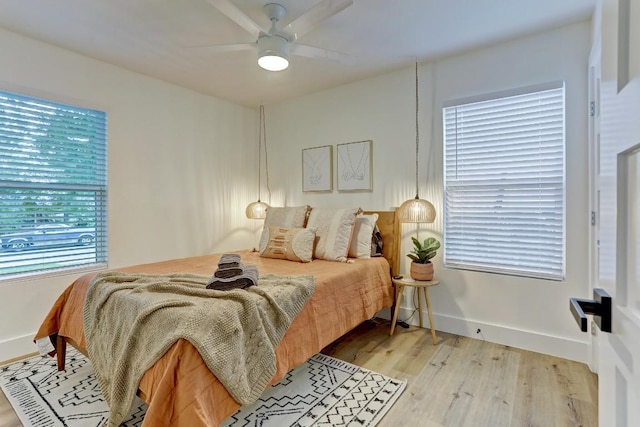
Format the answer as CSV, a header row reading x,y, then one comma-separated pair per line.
x,y
131,320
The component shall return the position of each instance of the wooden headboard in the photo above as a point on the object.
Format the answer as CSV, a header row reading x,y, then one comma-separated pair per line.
x,y
390,230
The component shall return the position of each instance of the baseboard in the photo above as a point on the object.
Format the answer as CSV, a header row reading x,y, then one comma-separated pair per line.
x,y
527,340
17,347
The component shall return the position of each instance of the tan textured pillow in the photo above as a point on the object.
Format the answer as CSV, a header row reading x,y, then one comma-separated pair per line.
x,y
294,244
333,232
287,217
361,239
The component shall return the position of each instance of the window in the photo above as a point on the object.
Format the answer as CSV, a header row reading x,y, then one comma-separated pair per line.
x,y
53,186
504,183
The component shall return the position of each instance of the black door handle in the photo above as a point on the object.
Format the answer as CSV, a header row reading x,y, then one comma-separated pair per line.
x,y
599,306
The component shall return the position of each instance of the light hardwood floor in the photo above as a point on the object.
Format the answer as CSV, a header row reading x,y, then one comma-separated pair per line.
x,y
469,382
461,381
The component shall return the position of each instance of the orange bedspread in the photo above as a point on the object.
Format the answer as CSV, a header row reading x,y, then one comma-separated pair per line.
x,y
180,389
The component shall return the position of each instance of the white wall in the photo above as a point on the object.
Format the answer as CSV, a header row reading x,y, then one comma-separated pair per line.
x,y
180,168
521,312
175,188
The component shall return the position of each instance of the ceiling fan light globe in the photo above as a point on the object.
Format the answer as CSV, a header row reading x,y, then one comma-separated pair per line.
x,y
273,53
273,63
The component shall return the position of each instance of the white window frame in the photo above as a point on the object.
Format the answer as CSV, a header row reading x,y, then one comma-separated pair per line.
x,y
505,182
53,187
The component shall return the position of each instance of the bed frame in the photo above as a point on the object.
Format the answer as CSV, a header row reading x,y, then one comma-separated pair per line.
x,y
389,228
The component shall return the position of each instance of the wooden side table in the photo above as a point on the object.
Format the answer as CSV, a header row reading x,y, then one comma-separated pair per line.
x,y
419,285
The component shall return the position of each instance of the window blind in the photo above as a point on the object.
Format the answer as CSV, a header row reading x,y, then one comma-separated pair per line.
x,y
53,186
504,178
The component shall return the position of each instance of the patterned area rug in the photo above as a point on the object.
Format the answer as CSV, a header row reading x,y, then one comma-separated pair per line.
x,y
321,392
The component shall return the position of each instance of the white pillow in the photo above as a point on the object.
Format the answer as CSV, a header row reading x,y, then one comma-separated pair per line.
x,y
361,238
333,232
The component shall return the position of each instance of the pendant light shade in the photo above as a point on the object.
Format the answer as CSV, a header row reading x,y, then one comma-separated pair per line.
x,y
258,210
417,210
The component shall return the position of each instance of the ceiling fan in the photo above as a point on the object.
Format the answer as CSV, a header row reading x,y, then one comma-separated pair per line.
x,y
275,45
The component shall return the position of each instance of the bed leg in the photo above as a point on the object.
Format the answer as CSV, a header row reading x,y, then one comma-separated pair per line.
x,y
61,352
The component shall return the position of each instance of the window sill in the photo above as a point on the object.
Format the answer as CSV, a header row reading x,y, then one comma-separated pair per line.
x,y
53,273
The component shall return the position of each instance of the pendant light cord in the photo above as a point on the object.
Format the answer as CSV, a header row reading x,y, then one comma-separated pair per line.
x,y
417,130
263,137
260,153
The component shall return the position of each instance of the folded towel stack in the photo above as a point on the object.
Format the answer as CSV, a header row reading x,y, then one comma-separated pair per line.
x,y
248,278
225,273
229,261
232,274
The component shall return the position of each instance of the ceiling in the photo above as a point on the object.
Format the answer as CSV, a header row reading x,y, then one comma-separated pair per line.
x,y
160,38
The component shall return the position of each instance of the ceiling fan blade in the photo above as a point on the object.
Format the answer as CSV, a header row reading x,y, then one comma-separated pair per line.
x,y
318,53
223,48
314,16
238,16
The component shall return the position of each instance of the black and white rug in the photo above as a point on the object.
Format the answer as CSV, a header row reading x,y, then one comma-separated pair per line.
x,y
321,392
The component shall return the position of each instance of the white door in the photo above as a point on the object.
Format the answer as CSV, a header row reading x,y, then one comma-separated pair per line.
x,y
619,351
618,182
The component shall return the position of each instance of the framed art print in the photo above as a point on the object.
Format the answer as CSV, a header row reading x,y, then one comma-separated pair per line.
x,y
354,166
317,171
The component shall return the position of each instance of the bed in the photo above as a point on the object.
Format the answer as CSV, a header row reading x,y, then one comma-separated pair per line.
x,y
179,388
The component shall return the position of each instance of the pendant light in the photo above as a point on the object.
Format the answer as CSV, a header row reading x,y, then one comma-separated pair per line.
x,y
258,210
417,210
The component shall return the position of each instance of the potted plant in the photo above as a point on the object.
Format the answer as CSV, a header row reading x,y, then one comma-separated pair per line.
x,y
421,267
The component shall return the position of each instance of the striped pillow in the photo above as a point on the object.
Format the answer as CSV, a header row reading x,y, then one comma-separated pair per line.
x,y
293,244
333,232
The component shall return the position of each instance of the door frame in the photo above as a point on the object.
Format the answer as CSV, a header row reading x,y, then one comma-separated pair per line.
x,y
594,189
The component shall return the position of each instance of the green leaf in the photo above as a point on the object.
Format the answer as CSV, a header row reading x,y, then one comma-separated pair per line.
x,y
413,257
424,251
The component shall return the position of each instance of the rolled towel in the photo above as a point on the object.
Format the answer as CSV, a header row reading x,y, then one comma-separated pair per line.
x,y
225,273
248,278
229,261
251,273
